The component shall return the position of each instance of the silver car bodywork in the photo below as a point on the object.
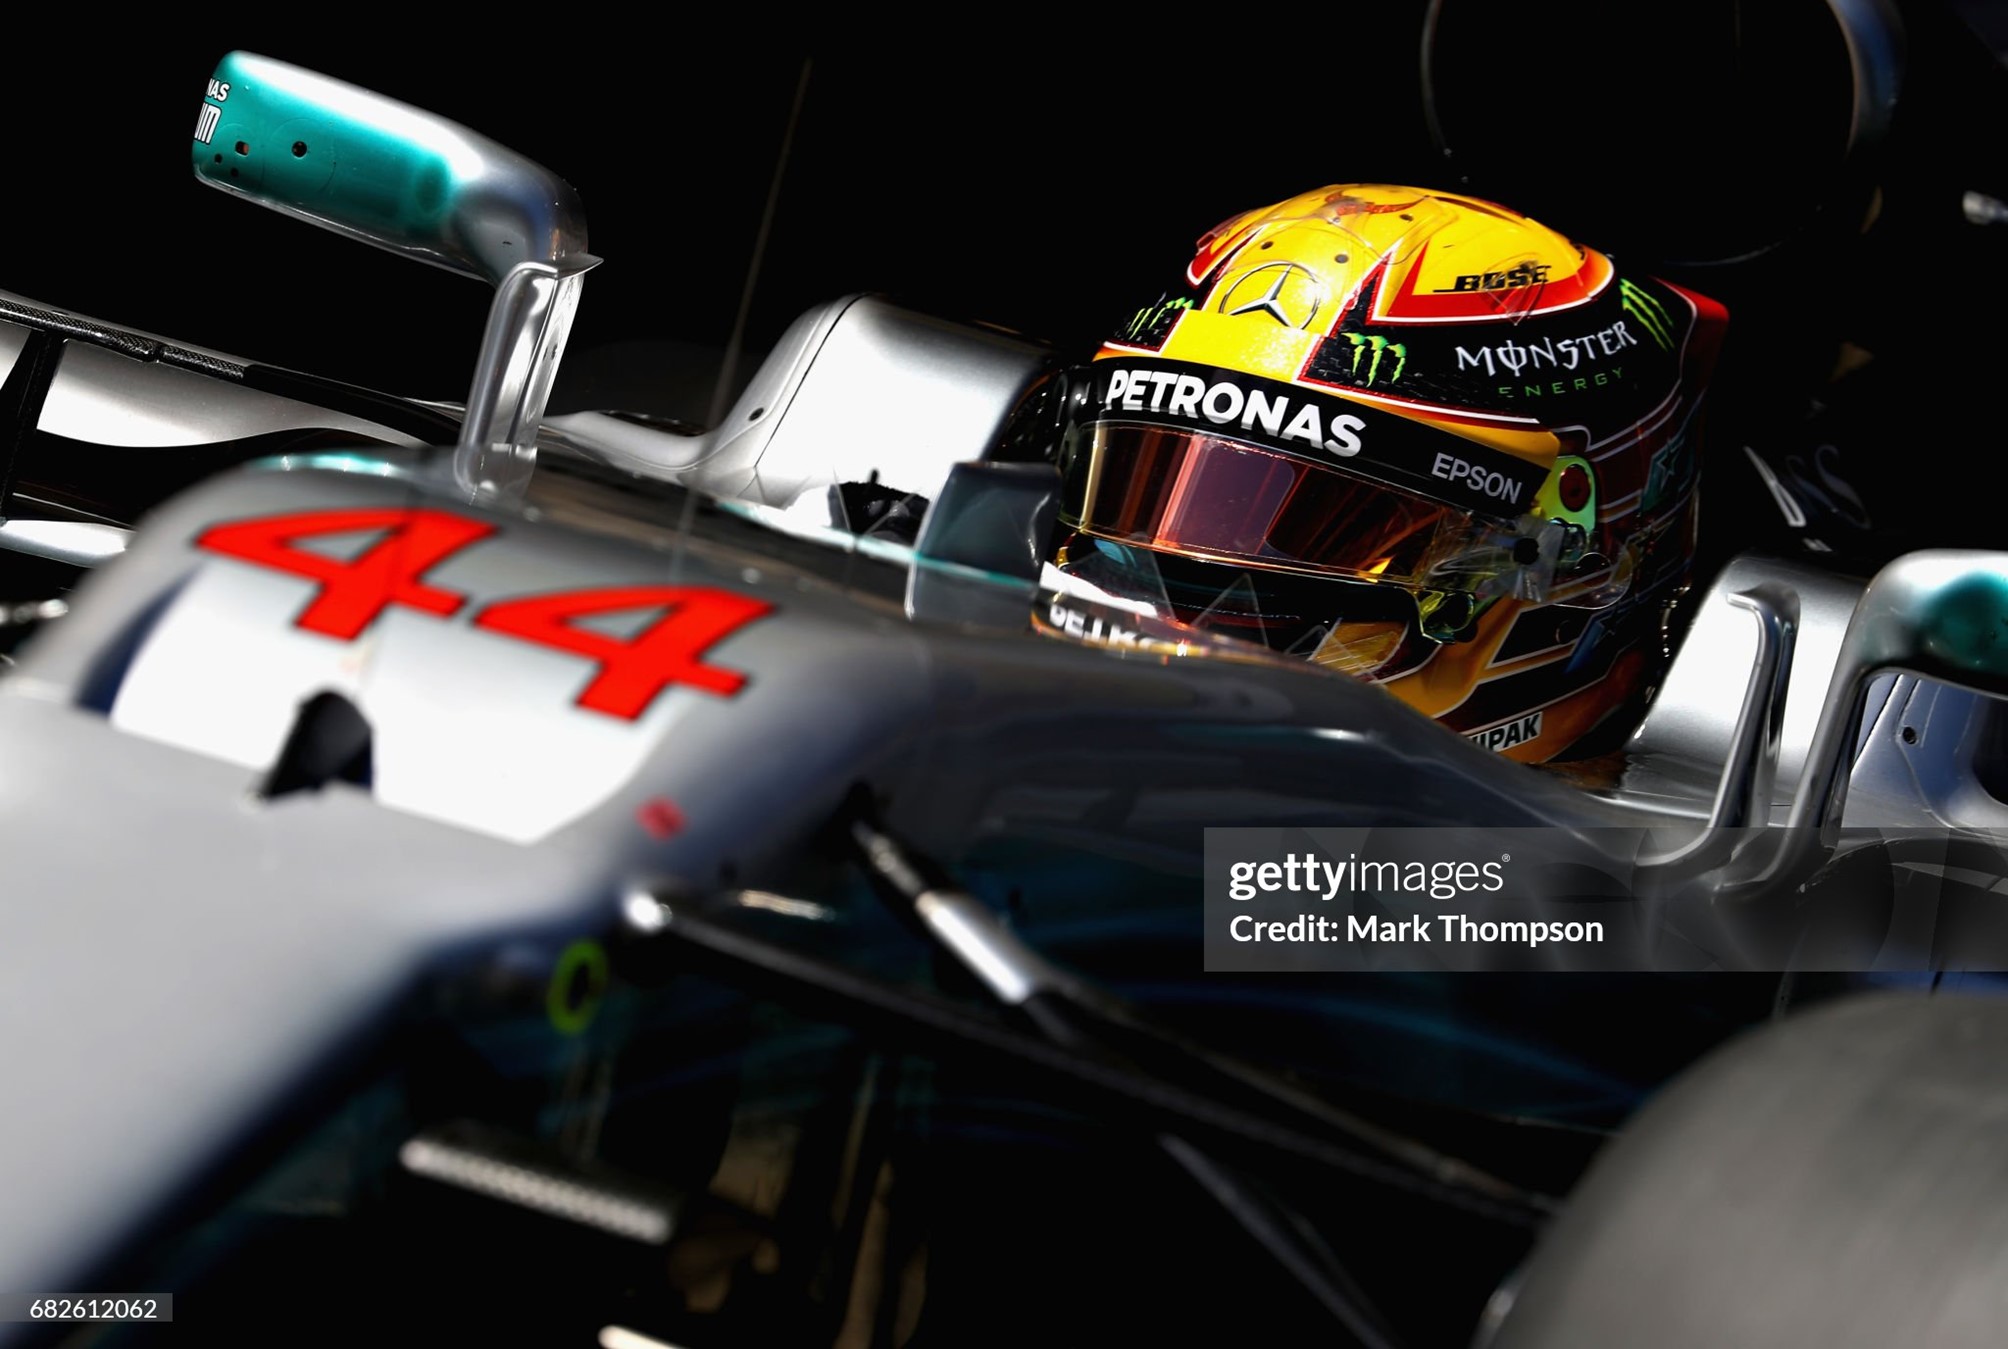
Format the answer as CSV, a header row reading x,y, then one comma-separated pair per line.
x,y
246,941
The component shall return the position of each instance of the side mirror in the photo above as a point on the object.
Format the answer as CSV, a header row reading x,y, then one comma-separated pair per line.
x,y
389,174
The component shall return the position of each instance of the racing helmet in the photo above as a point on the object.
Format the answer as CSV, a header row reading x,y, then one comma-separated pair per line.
x,y
1412,436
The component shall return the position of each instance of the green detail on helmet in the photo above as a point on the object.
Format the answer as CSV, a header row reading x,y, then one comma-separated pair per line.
x,y
1649,314
1447,615
1374,347
1150,316
1548,500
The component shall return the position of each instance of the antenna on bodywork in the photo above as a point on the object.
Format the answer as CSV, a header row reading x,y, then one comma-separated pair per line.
x,y
404,179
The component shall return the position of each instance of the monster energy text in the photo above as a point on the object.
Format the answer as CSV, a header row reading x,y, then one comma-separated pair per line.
x,y
1557,353
1574,382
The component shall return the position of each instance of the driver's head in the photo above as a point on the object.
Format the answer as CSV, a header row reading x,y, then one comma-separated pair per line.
x,y
1412,436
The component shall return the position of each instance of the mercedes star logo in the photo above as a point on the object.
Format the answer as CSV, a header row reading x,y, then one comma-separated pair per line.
x,y
1287,292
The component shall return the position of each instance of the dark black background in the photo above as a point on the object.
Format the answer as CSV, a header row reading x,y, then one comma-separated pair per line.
x,y
1041,190
1044,178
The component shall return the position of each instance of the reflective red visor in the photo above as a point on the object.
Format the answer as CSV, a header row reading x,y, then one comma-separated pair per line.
x,y
1205,497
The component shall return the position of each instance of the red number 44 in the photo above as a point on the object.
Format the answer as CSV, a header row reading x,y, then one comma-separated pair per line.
x,y
629,672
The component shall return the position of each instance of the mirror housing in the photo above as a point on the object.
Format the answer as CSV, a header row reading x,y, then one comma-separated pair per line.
x,y
374,169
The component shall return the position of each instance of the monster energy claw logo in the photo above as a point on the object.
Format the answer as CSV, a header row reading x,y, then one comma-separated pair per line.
x,y
1649,314
1146,320
1373,348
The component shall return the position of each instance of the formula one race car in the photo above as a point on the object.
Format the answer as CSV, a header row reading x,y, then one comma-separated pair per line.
x,y
604,878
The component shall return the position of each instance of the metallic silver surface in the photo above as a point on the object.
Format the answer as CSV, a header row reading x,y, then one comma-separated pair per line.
x,y
81,543
1936,613
189,965
473,727
1008,968
1925,758
102,397
841,366
528,324
1676,756
968,736
1744,796
309,917
30,612
1901,623
13,337
442,1156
